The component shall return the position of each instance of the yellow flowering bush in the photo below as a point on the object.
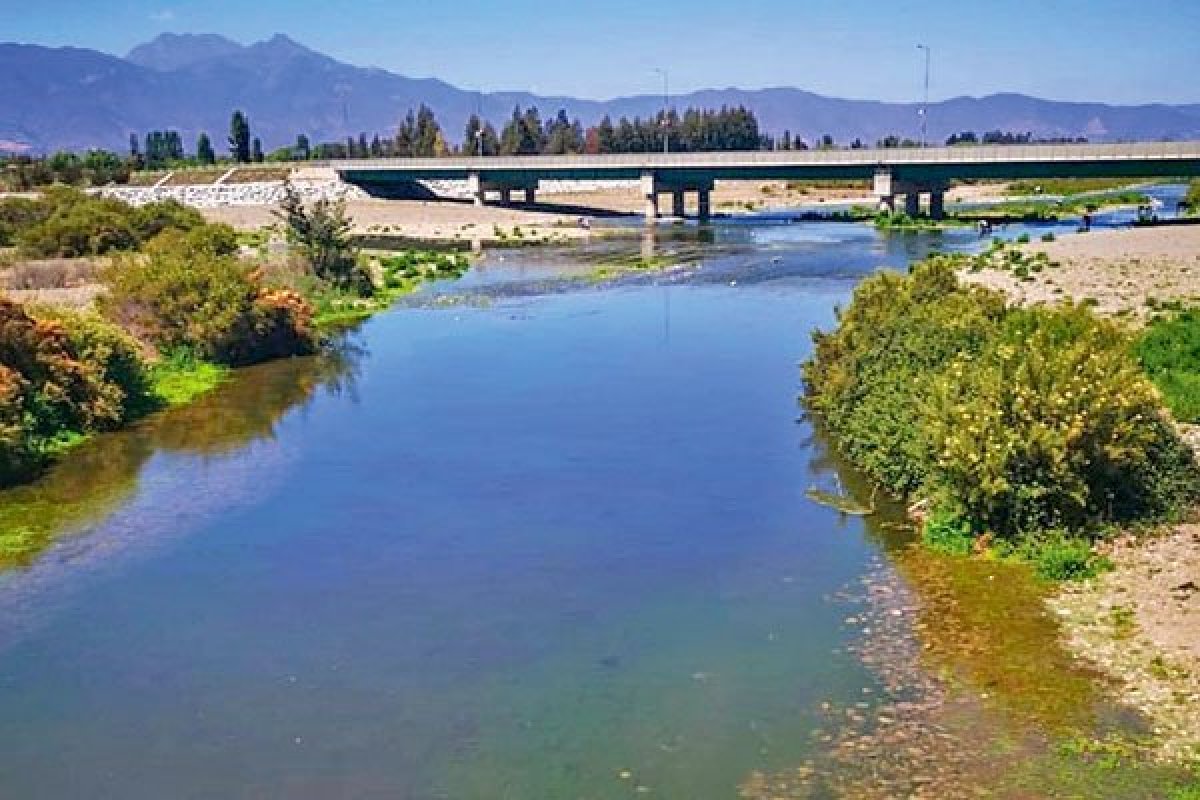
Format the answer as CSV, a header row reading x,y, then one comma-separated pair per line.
x,y
1014,421
1051,425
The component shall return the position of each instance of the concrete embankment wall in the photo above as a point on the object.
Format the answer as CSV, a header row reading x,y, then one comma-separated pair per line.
x,y
312,184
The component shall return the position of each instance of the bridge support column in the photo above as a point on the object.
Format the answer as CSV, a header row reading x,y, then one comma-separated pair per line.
x,y
677,204
912,203
704,204
650,193
475,188
506,196
530,195
937,204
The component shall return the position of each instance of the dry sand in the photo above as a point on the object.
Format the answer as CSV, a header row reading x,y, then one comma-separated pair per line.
x,y
1140,624
1123,271
557,215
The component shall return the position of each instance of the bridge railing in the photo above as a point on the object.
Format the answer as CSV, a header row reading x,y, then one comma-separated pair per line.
x,y
980,154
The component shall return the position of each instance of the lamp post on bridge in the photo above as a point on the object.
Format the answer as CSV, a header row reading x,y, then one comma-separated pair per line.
x,y
925,106
666,122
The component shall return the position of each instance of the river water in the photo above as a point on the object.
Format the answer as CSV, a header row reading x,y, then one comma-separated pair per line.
x,y
522,537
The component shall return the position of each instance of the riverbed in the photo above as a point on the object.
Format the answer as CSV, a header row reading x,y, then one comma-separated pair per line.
x,y
527,535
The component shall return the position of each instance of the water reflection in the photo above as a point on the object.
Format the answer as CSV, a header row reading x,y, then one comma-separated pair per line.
x,y
103,473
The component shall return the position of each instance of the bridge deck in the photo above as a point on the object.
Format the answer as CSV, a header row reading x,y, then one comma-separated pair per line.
x,y
1148,159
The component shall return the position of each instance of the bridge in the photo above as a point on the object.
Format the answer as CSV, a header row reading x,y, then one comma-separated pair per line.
x,y
908,172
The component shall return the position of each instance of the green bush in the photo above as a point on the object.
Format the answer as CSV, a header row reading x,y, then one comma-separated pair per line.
x,y
1170,353
67,223
868,377
16,215
214,239
123,387
1050,425
1014,421
61,376
1058,556
322,232
154,218
177,297
949,534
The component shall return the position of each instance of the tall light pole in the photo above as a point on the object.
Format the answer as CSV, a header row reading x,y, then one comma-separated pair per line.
x,y
925,107
666,123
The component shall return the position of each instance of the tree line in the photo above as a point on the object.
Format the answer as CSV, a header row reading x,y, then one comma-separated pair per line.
x,y
420,135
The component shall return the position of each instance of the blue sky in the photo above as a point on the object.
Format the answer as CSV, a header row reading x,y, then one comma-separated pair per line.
x,y
1118,51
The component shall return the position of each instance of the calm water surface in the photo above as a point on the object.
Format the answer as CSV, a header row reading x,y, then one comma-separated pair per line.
x,y
551,541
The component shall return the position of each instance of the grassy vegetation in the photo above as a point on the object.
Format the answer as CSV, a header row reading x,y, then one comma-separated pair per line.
x,y
1192,200
1027,432
181,378
1072,186
1053,210
1169,351
886,221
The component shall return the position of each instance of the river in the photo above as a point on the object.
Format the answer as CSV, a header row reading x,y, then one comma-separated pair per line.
x,y
521,537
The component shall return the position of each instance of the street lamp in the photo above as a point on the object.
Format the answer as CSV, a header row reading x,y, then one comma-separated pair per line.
x,y
666,123
925,107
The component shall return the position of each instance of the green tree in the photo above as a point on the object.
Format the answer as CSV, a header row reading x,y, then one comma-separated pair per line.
x,y
303,150
480,138
322,232
239,138
204,150
256,151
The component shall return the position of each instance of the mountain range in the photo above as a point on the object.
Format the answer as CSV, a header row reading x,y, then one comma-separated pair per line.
x,y
75,98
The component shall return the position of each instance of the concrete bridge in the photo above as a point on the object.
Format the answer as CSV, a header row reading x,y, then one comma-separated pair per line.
x,y
910,173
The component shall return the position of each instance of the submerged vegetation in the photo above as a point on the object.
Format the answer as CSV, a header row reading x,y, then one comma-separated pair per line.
x,y
1022,431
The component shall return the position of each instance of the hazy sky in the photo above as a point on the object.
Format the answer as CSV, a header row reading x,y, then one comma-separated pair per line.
x,y
1119,51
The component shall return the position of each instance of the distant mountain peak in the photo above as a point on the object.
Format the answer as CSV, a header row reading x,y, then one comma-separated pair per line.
x,y
281,45
172,51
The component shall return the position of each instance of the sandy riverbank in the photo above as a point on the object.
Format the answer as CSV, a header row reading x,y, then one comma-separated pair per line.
x,y
1126,271
1139,623
557,215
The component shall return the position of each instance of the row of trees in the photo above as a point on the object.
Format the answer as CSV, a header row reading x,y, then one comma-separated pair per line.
x,y
1007,137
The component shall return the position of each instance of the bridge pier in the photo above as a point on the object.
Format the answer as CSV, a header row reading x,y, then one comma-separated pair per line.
x,y
656,183
912,203
937,204
475,188
478,188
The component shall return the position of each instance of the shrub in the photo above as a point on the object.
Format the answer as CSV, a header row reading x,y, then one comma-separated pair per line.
x,y
123,387
947,533
17,451
90,227
154,218
69,223
867,377
1013,421
1170,353
17,214
214,239
211,305
60,376
1058,556
323,234
1048,426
